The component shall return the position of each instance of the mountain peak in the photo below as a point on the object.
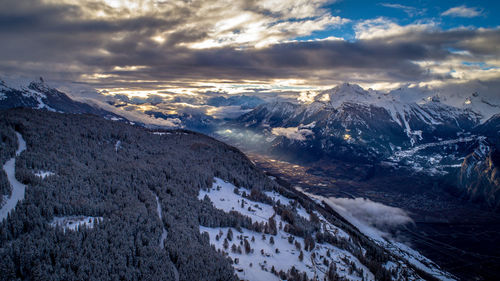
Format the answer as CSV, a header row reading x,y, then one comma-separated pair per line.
x,y
39,85
349,87
345,92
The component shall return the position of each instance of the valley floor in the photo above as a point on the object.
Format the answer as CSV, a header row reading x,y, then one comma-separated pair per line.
x,y
460,236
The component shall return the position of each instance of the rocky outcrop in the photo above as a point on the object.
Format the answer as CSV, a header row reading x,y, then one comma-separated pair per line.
x,y
479,175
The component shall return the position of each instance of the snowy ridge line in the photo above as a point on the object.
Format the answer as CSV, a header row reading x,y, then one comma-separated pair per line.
x,y
27,92
18,189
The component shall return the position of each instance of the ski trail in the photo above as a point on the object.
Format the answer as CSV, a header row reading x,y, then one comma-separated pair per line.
x,y
164,231
164,235
18,188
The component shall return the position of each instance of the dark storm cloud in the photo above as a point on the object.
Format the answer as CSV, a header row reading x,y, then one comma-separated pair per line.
x,y
287,60
476,41
64,42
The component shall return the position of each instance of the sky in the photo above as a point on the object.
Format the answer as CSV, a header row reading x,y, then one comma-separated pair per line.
x,y
186,51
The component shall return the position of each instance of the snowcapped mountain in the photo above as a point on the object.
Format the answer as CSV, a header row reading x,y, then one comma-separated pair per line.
x,y
477,102
352,123
396,129
39,95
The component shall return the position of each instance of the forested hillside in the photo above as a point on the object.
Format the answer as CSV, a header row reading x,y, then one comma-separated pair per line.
x,y
109,201
92,178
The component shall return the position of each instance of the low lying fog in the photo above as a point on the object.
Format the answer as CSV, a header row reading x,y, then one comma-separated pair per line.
x,y
374,219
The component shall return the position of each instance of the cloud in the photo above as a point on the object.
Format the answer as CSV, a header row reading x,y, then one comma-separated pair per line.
x,y
175,48
385,28
136,116
410,11
463,12
222,112
373,219
373,213
293,133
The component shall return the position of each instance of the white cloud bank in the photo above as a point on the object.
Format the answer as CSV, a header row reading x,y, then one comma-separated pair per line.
x,y
371,218
372,213
293,133
462,12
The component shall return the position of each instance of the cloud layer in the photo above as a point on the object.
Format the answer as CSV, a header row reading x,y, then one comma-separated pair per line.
x,y
138,48
372,213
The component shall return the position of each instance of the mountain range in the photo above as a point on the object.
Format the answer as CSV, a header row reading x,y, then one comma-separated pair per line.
x,y
350,124
404,128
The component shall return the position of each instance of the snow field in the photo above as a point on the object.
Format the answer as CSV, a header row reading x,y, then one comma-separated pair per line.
x,y
257,264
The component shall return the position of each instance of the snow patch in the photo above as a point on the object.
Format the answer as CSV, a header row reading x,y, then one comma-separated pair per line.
x,y
117,145
44,174
161,133
73,222
223,197
257,264
407,153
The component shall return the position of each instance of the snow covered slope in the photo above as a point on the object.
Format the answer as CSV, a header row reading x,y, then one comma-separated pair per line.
x,y
276,254
39,95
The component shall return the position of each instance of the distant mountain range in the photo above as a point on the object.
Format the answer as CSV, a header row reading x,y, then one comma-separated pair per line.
x,y
348,123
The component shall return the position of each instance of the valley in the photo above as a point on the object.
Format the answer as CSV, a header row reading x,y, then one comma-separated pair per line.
x,y
133,202
459,235
404,157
